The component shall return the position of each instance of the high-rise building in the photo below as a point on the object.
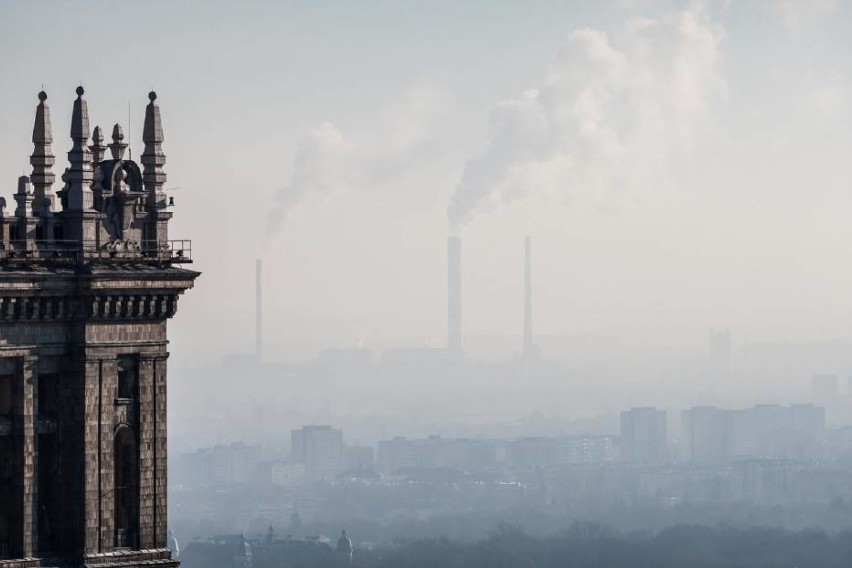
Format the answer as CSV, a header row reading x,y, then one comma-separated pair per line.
x,y
454,302
529,346
644,437
320,448
435,452
704,432
762,431
87,285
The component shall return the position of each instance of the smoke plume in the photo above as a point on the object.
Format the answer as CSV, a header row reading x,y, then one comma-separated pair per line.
x,y
605,117
393,147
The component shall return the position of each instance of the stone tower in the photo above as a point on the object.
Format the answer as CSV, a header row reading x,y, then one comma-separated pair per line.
x,y
87,284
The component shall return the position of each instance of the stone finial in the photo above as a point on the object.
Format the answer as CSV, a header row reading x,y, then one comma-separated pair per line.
x,y
80,118
42,159
80,157
24,197
24,186
118,145
153,158
97,148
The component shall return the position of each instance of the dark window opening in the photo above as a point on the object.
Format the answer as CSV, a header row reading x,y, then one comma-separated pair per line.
x,y
5,395
9,520
127,378
48,397
48,462
126,510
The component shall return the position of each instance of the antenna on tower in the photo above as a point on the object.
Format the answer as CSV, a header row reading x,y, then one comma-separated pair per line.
x,y
129,137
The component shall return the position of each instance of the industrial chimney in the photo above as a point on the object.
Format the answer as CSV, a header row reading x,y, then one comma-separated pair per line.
x,y
258,309
454,337
528,331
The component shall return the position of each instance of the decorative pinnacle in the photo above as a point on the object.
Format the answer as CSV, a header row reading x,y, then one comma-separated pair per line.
x,y
42,159
118,145
80,157
42,133
24,186
80,118
98,149
153,158
24,197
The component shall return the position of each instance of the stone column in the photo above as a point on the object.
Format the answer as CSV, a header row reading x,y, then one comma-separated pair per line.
x,y
147,453
30,458
161,525
108,394
92,456
18,480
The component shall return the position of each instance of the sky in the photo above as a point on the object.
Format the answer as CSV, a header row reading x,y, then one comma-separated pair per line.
x,y
680,166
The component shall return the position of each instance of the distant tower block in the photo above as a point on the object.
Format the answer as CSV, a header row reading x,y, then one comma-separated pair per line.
x,y
454,306
86,291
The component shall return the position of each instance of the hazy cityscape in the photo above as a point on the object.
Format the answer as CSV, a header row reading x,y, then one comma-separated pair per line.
x,y
415,284
783,463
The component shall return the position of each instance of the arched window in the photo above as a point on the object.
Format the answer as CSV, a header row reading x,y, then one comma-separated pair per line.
x,y
126,493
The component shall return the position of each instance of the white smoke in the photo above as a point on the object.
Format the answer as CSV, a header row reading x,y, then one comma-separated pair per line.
x,y
329,160
604,118
319,165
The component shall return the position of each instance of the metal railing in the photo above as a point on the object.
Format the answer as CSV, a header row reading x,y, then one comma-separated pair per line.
x,y
75,252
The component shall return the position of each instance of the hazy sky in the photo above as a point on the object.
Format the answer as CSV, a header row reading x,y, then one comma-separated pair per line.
x,y
680,166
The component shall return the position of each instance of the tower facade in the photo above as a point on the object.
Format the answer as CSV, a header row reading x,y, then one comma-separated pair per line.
x,y
88,280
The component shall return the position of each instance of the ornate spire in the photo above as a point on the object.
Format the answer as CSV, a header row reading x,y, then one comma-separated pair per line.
x,y
98,149
153,158
118,145
42,159
80,172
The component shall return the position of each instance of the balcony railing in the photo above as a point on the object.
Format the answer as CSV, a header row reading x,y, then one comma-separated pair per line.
x,y
74,252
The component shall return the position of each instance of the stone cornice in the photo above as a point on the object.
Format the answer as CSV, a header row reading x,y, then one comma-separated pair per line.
x,y
109,306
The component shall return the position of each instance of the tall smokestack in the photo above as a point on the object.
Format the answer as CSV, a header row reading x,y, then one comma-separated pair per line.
x,y
454,337
528,331
258,309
